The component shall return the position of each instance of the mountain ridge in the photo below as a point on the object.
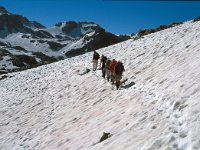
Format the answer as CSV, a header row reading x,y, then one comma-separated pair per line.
x,y
26,44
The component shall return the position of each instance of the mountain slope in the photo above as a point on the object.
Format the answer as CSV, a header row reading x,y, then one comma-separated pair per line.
x,y
63,106
27,44
11,23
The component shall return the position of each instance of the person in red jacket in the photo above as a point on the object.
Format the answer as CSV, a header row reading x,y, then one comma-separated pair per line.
x,y
119,69
112,70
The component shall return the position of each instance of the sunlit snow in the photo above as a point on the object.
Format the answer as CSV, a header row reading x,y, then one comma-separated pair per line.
x,y
62,106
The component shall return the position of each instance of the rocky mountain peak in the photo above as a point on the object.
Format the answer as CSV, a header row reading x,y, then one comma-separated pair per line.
x,y
3,10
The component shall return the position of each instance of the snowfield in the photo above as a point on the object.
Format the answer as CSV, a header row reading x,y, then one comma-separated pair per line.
x,y
67,106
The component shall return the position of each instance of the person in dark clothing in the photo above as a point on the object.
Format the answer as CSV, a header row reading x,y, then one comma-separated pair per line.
x,y
95,60
103,65
119,69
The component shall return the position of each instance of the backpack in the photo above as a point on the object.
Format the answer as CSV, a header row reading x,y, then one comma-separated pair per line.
x,y
112,66
119,68
95,55
103,60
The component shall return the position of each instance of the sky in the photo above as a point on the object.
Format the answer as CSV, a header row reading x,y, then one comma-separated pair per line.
x,y
118,17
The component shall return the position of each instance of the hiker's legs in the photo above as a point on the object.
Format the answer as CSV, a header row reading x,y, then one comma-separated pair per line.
x,y
117,83
108,74
93,66
95,63
103,69
112,78
104,73
118,77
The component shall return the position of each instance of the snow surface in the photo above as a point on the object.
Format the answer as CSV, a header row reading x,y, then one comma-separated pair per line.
x,y
5,63
3,13
65,106
75,33
16,39
55,31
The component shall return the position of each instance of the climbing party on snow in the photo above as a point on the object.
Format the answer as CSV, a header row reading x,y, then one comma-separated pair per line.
x,y
112,70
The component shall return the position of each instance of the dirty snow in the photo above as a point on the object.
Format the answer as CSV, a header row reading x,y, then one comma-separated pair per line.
x,y
65,105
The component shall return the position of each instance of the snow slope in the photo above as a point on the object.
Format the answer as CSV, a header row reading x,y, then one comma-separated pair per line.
x,y
65,106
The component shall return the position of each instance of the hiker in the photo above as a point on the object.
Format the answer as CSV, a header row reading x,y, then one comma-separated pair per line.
x,y
103,65
112,70
119,69
108,61
95,60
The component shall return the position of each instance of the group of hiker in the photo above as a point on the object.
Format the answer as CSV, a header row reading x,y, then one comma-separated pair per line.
x,y
112,70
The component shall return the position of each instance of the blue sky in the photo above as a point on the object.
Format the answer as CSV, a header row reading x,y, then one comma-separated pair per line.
x,y
119,17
